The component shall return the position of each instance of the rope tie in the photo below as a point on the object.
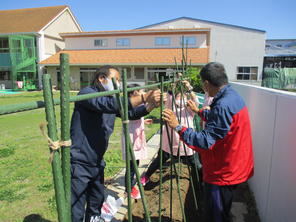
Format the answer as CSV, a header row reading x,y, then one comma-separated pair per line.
x,y
125,121
53,145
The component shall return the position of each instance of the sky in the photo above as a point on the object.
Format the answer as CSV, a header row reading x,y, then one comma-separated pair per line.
x,y
276,17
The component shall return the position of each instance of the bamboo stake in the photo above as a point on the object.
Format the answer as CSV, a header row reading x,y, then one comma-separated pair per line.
x,y
56,162
160,151
127,145
184,147
173,166
65,129
129,150
177,179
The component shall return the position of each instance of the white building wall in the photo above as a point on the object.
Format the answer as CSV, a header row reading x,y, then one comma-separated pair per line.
x,y
74,76
230,46
135,42
52,46
49,42
53,73
52,40
273,121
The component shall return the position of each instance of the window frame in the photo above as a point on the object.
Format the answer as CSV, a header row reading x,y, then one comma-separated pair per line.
x,y
246,73
123,39
5,74
185,37
2,48
102,40
161,42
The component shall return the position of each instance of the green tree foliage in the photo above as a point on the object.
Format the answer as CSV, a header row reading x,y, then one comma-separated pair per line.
x,y
194,78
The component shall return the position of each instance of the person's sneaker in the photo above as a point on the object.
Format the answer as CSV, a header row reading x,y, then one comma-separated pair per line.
x,y
144,180
96,219
135,194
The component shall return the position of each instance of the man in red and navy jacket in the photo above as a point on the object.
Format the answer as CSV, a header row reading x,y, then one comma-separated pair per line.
x,y
225,145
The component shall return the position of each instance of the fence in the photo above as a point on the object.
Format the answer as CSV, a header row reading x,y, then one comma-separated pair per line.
x,y
272,114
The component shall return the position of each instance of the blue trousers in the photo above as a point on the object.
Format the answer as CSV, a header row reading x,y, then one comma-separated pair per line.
x,y
218,201
87,187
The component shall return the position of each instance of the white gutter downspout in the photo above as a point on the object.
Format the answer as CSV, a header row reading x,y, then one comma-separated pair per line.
x,y
40,56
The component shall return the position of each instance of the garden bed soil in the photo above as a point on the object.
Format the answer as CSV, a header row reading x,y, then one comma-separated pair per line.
x,y
242,195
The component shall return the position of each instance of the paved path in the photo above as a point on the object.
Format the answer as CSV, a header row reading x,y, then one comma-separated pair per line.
x,y
116,188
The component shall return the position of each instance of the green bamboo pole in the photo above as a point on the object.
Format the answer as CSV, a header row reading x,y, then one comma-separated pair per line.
x,y
65,129
172,164
196,175
171,156
56,162
40,104
186,113
184,147
128,146
177,173
160,151
177,178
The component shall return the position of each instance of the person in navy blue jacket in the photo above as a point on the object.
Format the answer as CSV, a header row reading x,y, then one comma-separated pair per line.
x,y
91,126
225,145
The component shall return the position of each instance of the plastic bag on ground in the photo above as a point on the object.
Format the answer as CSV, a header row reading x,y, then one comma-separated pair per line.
x,y
110,207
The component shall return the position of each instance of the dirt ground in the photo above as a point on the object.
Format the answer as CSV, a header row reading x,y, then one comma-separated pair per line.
x,y
242,194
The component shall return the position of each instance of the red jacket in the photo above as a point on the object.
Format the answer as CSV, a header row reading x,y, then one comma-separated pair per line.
x,y
225,145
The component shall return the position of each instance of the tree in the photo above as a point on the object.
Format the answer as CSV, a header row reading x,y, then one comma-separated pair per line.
x,y
194,78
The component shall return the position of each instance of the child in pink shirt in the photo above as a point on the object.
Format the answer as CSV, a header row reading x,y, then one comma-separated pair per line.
x,y
138,140
186,153
207,102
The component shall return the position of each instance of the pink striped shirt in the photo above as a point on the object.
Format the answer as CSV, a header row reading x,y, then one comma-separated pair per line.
x,y
165,143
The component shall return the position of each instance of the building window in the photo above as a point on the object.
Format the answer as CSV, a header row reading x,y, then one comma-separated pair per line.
x,y
247,73
4,75
162,41
188,40
128,72
87,75
44,71
28,44
123,42
139,73
4,48
101,42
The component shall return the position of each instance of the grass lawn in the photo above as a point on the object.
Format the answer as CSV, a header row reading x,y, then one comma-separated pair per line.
x,y
26,188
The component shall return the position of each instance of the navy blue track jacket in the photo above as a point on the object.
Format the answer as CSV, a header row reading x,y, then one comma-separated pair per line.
x,y
92,124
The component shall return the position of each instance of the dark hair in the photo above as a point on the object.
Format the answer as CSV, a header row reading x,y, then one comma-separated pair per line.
x,y
132,85
215,73
102,71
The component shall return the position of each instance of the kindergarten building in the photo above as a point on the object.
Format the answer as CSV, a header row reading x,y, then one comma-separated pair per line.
x,y
28,36
152,49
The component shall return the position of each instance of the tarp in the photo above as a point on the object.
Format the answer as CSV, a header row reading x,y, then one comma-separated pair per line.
x,y
279,78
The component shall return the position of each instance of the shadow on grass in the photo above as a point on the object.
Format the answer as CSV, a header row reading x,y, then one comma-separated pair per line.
x,y
35,218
